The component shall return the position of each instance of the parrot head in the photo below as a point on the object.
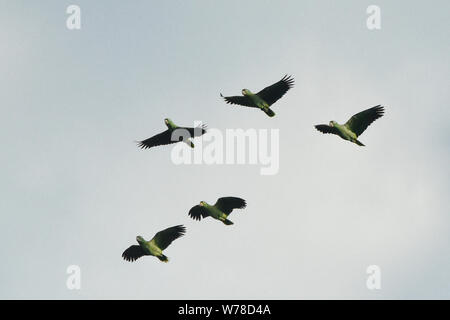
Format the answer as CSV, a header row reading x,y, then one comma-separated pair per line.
x,y
140,240
245,92
202,203
332,123
169,123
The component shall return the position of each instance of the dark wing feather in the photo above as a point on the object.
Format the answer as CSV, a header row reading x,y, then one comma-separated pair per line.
x,y
274,92
227,204
157,140
165,237
195,132
198,212
360,121
133,253
240,100
324,128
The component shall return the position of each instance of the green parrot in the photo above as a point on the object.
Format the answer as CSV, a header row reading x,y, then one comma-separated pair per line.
x,y
263,99
165,137
154,247
220,210
354,127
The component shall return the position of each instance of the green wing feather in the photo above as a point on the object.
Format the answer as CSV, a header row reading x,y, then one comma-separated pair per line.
x,y
324,128
162,138
165,237
133,253
165,137
198,212
273,93
239,100
360,121
227,204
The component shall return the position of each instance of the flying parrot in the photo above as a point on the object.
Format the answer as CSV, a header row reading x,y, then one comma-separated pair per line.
x,y
220,210
263,99
154,247
354,127
172,135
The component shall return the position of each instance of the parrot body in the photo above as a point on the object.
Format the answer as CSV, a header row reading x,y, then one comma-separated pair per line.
x,y
346,133
216,213
259,102
150,248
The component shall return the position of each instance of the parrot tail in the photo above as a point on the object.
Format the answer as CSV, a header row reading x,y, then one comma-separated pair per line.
x,y
359,143
227,222
163,258
269,112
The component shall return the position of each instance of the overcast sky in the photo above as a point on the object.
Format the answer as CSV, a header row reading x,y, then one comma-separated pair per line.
x,y
75,189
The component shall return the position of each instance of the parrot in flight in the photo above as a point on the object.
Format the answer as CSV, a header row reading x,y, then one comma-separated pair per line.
x,y
355,126
264,98
173,134
154,247
219,211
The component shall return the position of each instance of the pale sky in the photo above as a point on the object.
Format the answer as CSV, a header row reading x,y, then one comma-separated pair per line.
x,y
77,191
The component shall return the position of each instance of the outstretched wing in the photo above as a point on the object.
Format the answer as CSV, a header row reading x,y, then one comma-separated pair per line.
x,y
240,100
165,237
324,128
227,204
195,132
133,253
274,92
157,140
198,212
360,121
